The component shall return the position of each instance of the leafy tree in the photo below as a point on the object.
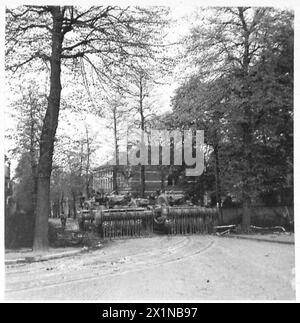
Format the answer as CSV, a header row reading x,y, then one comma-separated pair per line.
x,y
27,111
103,36
116,112
73,157
230,48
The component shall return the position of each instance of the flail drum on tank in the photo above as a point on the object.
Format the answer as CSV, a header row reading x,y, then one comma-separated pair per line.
x,y
170,214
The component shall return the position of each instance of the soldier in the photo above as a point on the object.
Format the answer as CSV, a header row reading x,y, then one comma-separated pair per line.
x,y
64,214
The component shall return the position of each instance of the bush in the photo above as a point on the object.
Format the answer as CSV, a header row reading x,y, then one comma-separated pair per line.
x,y
19,230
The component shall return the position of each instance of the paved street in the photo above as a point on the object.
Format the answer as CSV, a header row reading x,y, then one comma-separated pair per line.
x,y
161,268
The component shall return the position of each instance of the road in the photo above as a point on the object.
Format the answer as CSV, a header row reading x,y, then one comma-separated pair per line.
x,y
162,268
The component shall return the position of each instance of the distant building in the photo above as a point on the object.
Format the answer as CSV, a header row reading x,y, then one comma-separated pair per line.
x,y
129,179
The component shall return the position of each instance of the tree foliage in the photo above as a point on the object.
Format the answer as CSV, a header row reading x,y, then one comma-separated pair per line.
x,y
241,94
104,37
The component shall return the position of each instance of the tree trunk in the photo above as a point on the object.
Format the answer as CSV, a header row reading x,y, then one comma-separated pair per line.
x,y
56,208
142,178
218,181
115,167
247,142
48,135
115,179
143,182
87,171
41,220
246,215
74,205
246,127
33,162
246,188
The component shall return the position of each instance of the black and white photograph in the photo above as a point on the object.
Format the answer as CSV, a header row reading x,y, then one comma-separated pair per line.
x,y
148,152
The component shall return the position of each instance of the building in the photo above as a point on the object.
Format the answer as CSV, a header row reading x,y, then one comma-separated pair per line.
x,y
157,177
129,179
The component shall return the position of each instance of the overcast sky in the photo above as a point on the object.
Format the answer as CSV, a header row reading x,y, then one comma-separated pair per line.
x,y
181,11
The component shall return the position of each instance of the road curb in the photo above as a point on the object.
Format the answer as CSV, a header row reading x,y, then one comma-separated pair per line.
x,y
48,257
258,239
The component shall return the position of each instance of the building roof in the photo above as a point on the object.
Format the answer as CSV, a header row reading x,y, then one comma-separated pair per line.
x,y
111,162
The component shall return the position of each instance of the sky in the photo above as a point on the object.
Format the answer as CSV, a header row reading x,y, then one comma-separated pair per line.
x,y
182,12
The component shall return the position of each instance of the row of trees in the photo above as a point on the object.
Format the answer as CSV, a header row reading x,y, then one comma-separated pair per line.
x,y
241,94
110,40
